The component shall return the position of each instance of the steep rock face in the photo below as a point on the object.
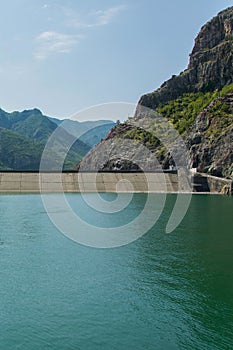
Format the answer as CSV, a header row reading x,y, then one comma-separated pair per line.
x,y
210,65
210,136
210,139
119,152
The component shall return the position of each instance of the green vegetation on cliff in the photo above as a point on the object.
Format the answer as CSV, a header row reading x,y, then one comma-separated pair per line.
x,y
205,121
183,111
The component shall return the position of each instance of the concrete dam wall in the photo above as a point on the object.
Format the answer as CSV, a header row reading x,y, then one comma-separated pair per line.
x,y
35,182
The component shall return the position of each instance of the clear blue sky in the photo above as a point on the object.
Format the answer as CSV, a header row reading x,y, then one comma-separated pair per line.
x,y
63,56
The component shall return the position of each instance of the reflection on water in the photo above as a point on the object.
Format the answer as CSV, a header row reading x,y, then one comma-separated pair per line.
x,y
163,291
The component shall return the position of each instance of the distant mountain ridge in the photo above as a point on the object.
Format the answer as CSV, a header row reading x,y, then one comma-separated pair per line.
x,y
30,123
23,136
89,132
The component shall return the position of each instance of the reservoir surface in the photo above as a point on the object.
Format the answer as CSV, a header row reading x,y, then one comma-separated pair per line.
x,y
161,292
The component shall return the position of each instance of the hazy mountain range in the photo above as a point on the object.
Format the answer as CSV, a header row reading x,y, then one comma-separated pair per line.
x,y
23,136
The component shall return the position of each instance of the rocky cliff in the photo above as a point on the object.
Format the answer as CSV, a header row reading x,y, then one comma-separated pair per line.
x,y
210,139
210,65
199,105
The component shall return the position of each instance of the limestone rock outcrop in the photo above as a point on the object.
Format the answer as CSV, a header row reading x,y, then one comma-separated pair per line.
x,y
210,137
210,65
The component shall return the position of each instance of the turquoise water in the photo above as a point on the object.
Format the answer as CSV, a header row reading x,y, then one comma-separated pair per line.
x,y
164,291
